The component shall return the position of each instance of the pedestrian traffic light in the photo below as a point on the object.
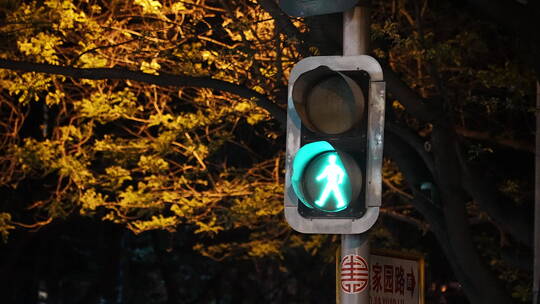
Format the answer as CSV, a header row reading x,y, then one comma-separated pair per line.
x,y
324,180
334,144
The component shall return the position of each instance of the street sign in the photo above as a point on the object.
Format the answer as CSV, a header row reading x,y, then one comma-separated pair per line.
x,y
396,278
393,277
305,8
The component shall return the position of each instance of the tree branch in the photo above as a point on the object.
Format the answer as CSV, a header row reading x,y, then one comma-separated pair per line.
x,y
513,220
485,288
508,13
521,20
285,24
486,136
163,79
422,226
415,174
396,189
414,104
415,142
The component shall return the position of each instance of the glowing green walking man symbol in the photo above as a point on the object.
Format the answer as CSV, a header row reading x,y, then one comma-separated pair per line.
x,y
333,174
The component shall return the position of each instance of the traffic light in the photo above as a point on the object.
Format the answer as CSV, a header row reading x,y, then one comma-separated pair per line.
x,y
327,170
334,144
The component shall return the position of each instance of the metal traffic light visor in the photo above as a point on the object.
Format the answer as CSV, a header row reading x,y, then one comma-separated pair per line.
x,y
328,101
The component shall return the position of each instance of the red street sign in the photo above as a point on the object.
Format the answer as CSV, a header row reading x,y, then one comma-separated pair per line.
x,y
354,273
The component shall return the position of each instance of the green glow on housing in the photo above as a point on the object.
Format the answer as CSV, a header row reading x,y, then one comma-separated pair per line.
x,y
319,178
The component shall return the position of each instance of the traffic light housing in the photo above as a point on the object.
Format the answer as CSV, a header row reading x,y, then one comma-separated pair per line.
x,y
334,144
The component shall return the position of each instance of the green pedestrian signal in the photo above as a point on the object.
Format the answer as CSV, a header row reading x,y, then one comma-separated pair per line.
x,y
321,179
332,174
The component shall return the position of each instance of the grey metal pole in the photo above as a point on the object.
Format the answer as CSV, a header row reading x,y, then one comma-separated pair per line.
x,y
536,273
354,269
354,263
356,31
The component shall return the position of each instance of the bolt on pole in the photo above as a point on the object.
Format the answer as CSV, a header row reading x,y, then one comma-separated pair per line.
x,y
355,42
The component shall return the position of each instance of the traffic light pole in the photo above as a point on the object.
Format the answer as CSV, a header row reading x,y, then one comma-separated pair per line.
x,y
355,42
356,31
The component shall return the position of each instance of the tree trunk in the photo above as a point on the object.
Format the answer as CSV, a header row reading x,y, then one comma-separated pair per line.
x,y
485,287
109,253
167,273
